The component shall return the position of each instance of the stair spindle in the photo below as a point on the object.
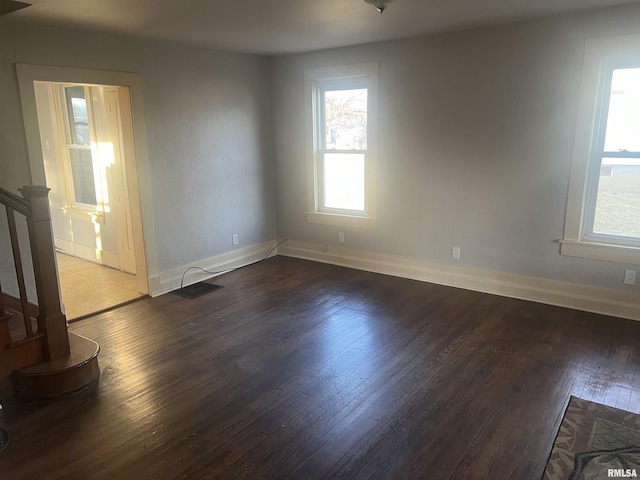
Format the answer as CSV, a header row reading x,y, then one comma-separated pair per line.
x,y
17,259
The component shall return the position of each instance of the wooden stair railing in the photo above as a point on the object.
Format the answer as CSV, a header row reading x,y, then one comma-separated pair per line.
x,y
47,343
5,335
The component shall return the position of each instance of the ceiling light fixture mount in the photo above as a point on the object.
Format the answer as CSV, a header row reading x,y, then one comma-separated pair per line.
x,y
381,5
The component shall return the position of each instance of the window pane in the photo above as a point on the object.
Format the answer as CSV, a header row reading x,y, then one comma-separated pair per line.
x,y
345,119
78,117
623,119
83,179
344,181
618,201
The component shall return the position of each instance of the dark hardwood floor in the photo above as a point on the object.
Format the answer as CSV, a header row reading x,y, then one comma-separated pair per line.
x,y
299,370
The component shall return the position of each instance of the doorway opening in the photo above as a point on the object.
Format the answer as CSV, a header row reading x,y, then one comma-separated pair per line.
x,y
86,138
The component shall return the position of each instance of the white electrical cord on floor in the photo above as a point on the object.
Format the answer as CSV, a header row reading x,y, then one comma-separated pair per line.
x,y
230,269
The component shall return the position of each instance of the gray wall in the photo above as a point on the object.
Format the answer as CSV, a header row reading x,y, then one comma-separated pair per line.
x,y
208,129
475,142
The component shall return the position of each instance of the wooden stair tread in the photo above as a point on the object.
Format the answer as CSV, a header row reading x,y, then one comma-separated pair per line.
x,y
25,340
83,350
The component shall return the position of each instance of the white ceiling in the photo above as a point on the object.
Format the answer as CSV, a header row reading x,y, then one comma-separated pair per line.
x,y
286,26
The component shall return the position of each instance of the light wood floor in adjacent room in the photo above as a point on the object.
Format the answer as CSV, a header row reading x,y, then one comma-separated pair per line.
x,y
299,370
88,287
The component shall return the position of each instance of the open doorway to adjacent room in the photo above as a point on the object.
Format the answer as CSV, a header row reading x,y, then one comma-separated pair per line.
x,y
86,136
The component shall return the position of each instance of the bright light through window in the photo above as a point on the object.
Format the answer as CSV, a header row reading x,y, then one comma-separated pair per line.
x,y
342,122
345,115
343,148
617,198
623,119
80,156
603,205
344,181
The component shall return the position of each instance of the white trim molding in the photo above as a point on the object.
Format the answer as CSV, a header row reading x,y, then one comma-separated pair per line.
x,y
348,221
316,212
138,170
170,280
601,251
552,292
577,241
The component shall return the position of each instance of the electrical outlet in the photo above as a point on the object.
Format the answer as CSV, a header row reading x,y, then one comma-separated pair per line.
x,y
630,277
341,237
234,238
455,253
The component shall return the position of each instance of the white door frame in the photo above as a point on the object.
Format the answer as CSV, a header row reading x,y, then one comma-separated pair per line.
x,y
139,179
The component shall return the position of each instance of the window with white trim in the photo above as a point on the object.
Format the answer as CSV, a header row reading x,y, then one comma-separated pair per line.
x,y
80,163
603,210
613,193
341,145
78,151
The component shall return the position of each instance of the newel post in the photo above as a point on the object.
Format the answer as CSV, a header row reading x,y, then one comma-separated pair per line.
x,y
51,320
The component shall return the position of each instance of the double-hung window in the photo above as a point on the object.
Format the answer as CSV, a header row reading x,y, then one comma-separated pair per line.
x,y
81,165
613,194
341,146
79,150
603,210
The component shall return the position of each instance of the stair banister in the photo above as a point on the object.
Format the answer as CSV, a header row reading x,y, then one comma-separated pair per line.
x,y
5,336
42,364
17,261
51,320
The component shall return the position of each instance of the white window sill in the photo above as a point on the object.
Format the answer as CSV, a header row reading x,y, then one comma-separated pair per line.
x,y
600,251
342,220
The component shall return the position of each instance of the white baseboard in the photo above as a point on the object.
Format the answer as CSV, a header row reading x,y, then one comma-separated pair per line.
x,y
90,254
552,292
65,246
170,280
100,257
85,252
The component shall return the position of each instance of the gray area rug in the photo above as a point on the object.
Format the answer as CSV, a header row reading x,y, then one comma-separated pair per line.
x,y
595,442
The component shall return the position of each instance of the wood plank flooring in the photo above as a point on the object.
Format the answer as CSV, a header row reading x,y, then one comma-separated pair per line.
x,y
299,370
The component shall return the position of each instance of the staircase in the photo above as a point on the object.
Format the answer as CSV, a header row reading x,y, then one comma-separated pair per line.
x,y
39,357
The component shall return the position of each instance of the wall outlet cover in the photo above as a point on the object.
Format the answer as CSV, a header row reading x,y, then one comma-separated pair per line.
x,y
630,277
